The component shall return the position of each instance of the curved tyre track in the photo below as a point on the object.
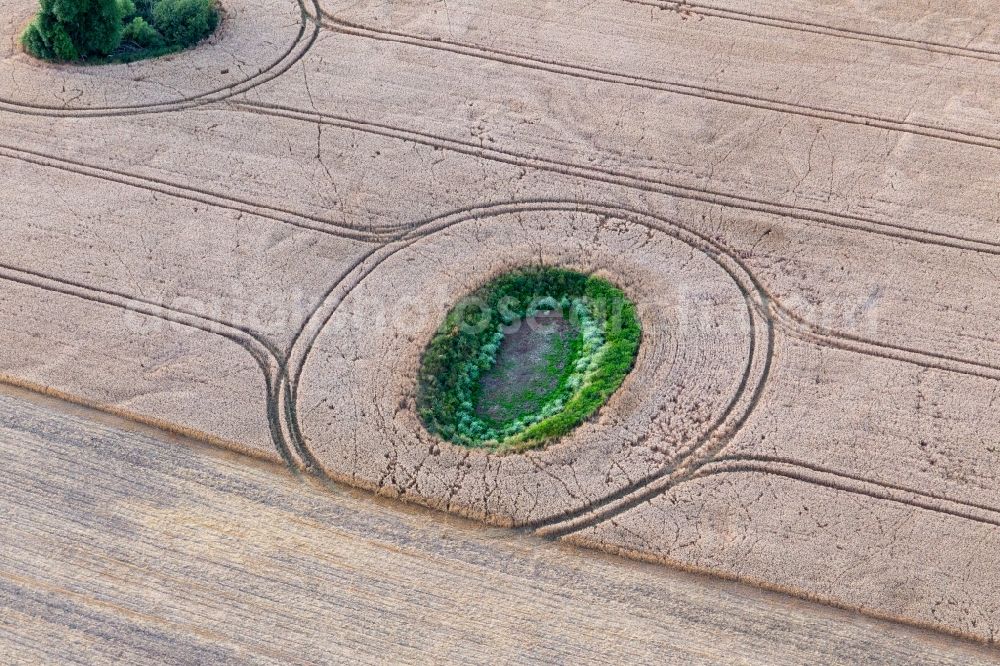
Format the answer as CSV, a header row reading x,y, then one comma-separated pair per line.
x,y
765,303
306,37
265,355
305,338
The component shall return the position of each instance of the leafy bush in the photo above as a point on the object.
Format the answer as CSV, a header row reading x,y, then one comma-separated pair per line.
x,y
143,35
74,29
466,346
185,22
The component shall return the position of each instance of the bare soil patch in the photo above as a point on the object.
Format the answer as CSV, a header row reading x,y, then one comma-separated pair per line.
x,y
529,365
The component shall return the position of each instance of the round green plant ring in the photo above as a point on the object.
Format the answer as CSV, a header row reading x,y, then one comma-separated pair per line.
x,y
526,358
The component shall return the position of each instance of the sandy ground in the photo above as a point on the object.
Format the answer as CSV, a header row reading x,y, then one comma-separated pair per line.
x,y
252,242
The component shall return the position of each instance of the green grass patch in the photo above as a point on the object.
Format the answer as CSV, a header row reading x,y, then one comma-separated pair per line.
x,y
527,358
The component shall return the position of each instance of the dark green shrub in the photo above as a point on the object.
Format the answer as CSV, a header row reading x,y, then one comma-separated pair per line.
x,y
74,29
143,35
184,22
467,343
117,30
52,44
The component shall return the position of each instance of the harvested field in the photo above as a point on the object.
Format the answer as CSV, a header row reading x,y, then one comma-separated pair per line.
x,y
253,241
255,566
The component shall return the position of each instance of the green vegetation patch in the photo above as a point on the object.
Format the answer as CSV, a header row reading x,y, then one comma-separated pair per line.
x,y
104,31
527,358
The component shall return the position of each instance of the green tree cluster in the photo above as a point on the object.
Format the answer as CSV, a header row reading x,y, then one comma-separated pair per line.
x,y
75,30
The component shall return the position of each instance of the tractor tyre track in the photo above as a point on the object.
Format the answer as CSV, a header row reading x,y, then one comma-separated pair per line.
x,y
714,11
645,184
202,195
823,476
721,95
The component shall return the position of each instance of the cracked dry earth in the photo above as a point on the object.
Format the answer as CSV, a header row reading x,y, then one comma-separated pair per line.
x,y
252,242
